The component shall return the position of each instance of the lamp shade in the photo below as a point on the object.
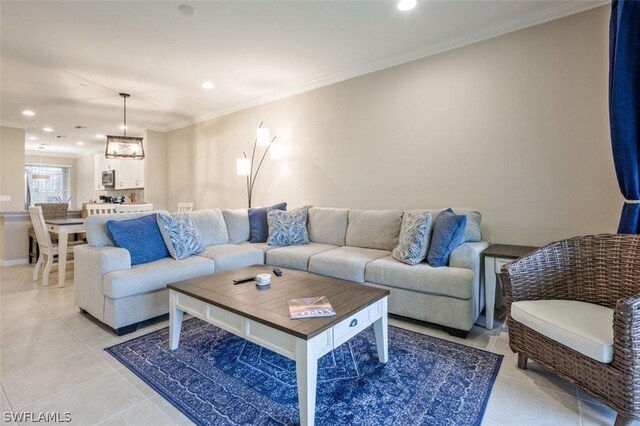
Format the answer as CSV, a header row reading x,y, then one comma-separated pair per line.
x,y
243,166
263,137
277,151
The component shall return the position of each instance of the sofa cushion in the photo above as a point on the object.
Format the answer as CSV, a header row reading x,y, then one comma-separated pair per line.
x,y
237,222
258,225
421,278
211,225
584,327
296,257
180,235
448,233
472,228
154,275
231,256
97,234
347,263
287,228
413,243
327,225
140,236
376,229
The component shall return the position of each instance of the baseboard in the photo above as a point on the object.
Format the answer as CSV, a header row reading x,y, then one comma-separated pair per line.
x,y
14,262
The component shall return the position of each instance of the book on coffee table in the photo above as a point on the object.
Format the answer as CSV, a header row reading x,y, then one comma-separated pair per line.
x,y
310,307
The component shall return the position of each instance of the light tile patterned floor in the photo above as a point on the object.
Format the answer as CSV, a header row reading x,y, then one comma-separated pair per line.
x,y
51,359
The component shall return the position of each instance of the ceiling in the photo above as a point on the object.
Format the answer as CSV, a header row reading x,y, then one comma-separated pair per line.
x,y
68,60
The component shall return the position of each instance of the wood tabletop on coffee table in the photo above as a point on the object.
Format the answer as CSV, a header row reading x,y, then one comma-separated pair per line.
x,y
270,306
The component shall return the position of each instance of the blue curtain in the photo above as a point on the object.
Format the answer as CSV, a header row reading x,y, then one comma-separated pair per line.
x,y
624,107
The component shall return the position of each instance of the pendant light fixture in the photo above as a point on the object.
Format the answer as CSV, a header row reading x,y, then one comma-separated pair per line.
x,y
124,147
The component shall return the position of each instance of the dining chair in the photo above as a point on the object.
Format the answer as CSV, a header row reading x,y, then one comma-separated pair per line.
x,y
185,207
49,211
133,208
99,209
46,247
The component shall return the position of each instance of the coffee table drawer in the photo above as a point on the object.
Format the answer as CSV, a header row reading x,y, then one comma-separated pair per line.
x,y
350,327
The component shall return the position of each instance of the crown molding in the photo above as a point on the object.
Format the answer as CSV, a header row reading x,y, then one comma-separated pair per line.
x,y
14,124
560,11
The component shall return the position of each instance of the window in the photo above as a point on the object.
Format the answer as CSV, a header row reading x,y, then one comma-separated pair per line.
x,y
47,184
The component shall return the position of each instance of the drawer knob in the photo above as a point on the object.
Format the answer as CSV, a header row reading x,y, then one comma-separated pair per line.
x,y
353,322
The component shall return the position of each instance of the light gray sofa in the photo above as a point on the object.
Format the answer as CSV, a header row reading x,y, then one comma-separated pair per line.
x,y
354,245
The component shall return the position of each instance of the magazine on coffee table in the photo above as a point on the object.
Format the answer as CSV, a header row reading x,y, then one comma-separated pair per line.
x,y
310,307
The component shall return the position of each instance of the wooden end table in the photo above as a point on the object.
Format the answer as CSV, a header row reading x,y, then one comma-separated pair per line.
x,y
493,257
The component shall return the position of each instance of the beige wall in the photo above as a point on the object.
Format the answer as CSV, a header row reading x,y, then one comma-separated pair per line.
x,y
12,168
155,183
516,126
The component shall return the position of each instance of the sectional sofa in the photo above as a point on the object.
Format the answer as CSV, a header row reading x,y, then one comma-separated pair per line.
x,y
353,245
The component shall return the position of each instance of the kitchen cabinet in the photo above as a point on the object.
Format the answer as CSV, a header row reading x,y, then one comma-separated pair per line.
x,y
129,174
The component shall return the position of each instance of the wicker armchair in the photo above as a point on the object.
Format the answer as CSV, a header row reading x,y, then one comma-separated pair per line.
x,y
599,269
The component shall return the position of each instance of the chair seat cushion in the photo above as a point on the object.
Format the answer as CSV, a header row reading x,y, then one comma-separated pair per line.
x,y
584,327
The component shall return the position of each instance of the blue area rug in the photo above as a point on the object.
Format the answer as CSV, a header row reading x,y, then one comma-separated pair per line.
x,y
216,378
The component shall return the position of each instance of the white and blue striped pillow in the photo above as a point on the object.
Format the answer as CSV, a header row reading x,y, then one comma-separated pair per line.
x,y
180,235
413,243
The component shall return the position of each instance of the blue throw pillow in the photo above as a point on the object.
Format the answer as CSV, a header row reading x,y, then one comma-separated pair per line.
x,y
140,236
258,225
448,233
181,235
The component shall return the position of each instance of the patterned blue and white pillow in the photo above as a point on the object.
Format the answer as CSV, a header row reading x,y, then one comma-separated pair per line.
x,y
287,228
180,235
414,238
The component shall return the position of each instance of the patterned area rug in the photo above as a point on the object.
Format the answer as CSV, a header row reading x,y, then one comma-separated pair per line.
x,y
216,378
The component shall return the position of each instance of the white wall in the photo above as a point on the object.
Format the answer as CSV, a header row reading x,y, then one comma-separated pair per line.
x,y
516,126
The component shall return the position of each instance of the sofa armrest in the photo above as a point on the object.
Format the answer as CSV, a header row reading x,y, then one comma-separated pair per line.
x,y
91,264
467,256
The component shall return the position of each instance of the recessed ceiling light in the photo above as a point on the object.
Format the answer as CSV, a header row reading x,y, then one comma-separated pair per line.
x,y
187,9
208,85
28,113
99,136
47,129
80,127
407,4
123,127
33,138
60,136
80,143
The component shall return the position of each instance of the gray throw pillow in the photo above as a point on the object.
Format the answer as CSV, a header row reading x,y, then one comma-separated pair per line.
x,y
414,238
180,235
287,228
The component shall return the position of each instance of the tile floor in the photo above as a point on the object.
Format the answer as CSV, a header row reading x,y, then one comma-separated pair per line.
x,y
52,359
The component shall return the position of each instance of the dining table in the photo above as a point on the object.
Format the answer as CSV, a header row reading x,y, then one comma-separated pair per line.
x,y
64,227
